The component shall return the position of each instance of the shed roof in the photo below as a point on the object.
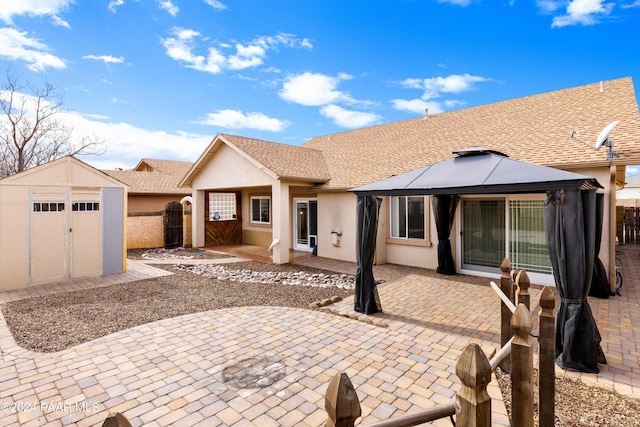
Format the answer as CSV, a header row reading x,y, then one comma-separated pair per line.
x,y
535,129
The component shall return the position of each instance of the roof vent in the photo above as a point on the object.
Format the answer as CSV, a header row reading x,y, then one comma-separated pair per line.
x,y
477,151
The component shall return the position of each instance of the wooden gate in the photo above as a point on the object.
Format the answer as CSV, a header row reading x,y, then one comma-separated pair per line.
x,y
172,225
631,225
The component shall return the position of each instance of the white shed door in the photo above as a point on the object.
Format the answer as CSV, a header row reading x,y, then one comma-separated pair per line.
x,y
85,232
66,236
48,238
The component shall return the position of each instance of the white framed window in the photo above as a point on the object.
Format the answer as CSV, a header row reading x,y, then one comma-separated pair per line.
x,y
85,206
407,217
48,206
222,206
261,209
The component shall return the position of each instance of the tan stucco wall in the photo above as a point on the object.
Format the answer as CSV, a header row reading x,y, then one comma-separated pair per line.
x,y
228,169
145,232
14,237
150,203
607,249
421,254
337,212
253,237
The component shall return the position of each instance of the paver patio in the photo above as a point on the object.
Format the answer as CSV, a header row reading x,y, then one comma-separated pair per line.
x,y
185,371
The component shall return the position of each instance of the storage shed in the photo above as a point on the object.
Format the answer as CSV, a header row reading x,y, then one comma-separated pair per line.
x,y
58,221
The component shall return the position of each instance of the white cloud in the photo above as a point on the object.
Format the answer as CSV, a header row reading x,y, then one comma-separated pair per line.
x,y
632,170
417,106
550,6
217,5
434,88
454,83
107,59
631,5
314,89
349,118
126,144
60,22
167,5
583,12
463,3
10,8
16,45
113,4
183,44
233,119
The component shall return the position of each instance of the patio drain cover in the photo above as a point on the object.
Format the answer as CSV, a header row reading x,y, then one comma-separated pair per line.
x,y
261,371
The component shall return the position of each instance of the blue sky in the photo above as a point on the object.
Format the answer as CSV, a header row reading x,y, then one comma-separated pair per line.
x,y
159,78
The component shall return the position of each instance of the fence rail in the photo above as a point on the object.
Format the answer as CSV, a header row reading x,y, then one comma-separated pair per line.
x,y
472,404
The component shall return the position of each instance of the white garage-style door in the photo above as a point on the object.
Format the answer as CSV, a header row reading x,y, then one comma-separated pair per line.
x,y
65,235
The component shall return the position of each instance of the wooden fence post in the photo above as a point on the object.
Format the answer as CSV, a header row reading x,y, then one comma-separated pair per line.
x,y
117,420
506,286
523,282
473,403
341,402
546,363
521,369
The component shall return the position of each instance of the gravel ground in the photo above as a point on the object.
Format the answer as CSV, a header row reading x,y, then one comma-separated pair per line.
x,y
56,322
578,404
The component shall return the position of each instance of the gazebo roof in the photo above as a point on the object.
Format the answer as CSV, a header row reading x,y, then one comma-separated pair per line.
x,y
477,170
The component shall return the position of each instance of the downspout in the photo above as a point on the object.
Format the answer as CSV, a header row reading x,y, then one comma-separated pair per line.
x,y
612,227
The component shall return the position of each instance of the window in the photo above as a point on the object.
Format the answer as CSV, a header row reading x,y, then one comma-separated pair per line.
x,y
48,207
85,206
260,210
407,217
528,242
222,206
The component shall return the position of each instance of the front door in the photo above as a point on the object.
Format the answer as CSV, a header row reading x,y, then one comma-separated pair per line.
x,y
305,224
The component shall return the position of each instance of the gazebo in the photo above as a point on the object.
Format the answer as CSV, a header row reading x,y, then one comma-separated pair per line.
x,y
572,215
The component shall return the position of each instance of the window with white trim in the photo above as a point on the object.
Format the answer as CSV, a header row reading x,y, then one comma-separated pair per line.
x,y
222,206
48,206
261,210
407,217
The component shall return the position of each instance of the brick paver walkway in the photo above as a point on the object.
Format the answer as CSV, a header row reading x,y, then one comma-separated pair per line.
x,y
189,370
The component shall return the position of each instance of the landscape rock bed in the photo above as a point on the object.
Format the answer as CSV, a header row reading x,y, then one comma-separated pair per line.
x,y
284,277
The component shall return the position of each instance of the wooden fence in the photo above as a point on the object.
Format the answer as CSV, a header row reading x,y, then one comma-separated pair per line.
x,y
472,404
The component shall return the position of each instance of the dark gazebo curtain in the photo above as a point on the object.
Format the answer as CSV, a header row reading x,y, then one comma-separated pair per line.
x,y
570,222
366,297
600,282
444,209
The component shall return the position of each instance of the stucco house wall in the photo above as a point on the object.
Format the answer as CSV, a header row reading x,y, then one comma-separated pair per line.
x,y
538,129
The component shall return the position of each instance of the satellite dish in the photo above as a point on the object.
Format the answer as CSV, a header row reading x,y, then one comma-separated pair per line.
x,y
604,134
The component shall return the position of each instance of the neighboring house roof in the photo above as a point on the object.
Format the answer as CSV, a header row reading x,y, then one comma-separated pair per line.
x,y
278,160
535,129
152,176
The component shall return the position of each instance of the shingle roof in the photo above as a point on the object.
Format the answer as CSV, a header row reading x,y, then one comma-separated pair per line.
x,y
282,160
535,129
285,160
162,179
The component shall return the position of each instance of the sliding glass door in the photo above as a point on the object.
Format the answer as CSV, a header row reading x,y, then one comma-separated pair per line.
x,y
483,234
513,227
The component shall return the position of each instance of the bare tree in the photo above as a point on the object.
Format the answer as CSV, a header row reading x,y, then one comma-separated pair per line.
x,y
31,132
